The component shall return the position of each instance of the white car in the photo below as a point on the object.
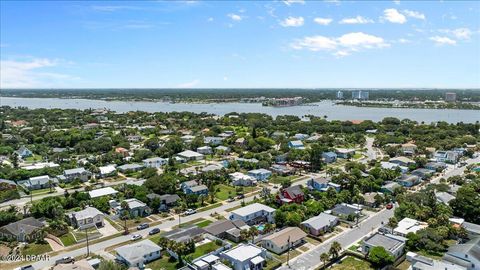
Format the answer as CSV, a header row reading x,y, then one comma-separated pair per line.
x,y
136,237
190,212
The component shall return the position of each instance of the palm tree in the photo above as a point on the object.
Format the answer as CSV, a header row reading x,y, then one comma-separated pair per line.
x,y
125,214
253,231
50,184
324,258
244,235
392,223
335,249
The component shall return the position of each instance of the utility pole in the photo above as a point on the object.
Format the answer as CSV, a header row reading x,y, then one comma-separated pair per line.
x,y
288,251
88,247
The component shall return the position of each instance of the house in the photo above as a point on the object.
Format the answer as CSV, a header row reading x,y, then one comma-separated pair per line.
x,y
187,138
192,187
446,156
409,149
107,171
190,155
86,218
241,179
209,261
122,151
393,166
301,136
213,140
227,229
136,208
240,142
260,174
107,191
423,173
205,150
155,162
419,262
389,187
40,182
138,254
212,168
466,255
408,225
436,166
393,244
281,241
245,256
253,214
25,230
344,210
345,153
222,149
322,184
281,169
444,197
24,152
167,201
77,265
77,173
408,180
185,234
329,157
292,194
7,184
320,224
126,168
296,145
402,161
243,161
370,199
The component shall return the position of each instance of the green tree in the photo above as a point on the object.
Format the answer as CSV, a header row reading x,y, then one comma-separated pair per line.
x,y
380,257
324,257
335,249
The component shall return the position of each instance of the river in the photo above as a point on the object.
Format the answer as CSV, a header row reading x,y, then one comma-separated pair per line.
x,y
328,108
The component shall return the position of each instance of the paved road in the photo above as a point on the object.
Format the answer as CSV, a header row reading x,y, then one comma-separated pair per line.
x,y
311,259
371,152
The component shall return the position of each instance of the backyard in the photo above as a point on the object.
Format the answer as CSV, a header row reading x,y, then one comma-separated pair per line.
x,y
36,249
224,191
351,263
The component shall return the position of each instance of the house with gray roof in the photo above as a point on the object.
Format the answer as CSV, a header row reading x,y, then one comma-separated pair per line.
x,y
223,228
166,200
155,162
25,230
344,210
86,218
419,262
320,224
466,255
39,182
130,167
393,244
138,254
185,234
190,155
444,197
77,173
136,208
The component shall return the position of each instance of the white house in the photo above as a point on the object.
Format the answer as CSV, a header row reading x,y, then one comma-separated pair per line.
x,y
190,155
241,179
213,140
205,150
86,218
408,225
155,162
393,244
253,214
102,192
138,254
245,256
320,224
106,171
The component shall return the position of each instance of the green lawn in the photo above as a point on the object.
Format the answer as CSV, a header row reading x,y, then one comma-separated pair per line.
x,y
36,249
211,206
277,179
41,191
79,235
33,158
204,223
163,263
226,191
67,239
351,263
357,156
204,249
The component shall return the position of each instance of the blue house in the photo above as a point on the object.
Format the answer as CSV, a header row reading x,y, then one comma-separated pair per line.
x,y
409,180
296,145
192,187
24,152
322,184
329,157
260,174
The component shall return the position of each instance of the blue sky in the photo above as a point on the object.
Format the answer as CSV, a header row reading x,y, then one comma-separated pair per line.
x,y
240,44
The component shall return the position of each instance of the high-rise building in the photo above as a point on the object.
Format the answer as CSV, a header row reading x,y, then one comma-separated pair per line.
x,y
339,95
360,95
450,97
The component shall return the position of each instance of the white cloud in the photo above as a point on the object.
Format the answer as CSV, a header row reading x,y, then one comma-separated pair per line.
x,y
392,15
28,74
459,33
356,20
189,84
291,2
414,14
235,17
292,22
225,78
340,46
443,40
404,40
323,21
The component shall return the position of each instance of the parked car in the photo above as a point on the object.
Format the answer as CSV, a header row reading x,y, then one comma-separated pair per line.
x,y
241,196
142,226
136,237
190,212
231,199
26,267
65,260
154,231
389,206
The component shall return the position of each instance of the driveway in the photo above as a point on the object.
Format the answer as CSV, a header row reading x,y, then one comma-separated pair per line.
x,y
54,245
107,229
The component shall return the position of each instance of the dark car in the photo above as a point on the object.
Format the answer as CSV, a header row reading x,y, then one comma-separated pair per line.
x,y
389,206
241,196
142,226
154,231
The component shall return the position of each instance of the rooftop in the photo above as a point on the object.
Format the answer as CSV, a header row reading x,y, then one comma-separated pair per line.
x,y
243,252
102,192
253,208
